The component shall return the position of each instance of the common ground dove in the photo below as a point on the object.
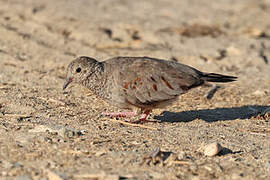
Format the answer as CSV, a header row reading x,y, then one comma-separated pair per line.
x,y
139,84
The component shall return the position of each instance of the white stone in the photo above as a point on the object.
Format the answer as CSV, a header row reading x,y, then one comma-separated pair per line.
x,y
212,149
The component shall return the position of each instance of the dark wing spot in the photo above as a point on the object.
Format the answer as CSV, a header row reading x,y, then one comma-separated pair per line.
x,y
133,87
149,94
153,79
126,85
166,82
121,74
155,87
136,80
184,88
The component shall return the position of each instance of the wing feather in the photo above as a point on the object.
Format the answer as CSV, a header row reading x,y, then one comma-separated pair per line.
x,y
146,81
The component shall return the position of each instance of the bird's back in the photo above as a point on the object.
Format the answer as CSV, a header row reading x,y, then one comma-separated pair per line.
x,y
147,82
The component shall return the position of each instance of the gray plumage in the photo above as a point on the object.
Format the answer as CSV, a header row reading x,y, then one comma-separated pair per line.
x,y
138,82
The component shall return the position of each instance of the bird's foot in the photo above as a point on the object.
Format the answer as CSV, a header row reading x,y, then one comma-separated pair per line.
x,y
120,114
143,118
141,121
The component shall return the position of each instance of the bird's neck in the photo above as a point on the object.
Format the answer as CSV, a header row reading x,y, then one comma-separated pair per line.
x,y
96,80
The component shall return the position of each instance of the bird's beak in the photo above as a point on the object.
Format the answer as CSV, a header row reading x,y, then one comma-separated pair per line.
x,y
68,81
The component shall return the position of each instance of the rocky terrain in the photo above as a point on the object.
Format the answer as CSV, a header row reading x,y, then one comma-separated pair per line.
x,y
48,133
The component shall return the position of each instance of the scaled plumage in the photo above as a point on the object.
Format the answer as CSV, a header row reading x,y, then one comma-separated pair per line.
x,y
138,83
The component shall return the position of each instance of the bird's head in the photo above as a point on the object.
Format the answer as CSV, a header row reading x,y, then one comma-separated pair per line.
x,y
80,69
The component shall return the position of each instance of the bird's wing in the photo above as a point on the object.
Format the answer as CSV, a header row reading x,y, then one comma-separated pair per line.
x,y
146,81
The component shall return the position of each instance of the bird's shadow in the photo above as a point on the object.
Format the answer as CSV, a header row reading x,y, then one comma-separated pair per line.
x,y
212,115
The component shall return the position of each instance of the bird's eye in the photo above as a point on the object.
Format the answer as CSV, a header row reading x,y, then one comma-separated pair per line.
x,y
78,70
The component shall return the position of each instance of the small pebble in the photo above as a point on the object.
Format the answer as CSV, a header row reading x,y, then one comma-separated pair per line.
x,y
53,176
233,51
182,155
100,153
259,93
212,149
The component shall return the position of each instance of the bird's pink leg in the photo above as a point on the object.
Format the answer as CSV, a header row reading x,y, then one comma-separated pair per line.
x,y
120,114
143,117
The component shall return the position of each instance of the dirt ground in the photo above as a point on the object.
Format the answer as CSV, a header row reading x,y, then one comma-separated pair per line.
x,y
48,133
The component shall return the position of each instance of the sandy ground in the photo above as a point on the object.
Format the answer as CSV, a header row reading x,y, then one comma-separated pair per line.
x,y
46,133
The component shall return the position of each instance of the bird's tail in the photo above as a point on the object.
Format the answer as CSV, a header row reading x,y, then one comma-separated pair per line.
x,y
213,77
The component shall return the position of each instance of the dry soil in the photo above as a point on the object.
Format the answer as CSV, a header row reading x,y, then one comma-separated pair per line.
x,y
47,133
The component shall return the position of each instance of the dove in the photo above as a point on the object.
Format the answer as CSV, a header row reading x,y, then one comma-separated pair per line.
x,y
138,84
